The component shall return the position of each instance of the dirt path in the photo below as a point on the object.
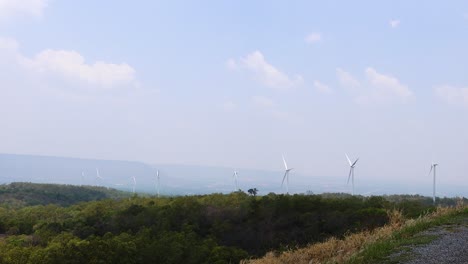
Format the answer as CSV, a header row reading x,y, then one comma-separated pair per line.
x,y
449,244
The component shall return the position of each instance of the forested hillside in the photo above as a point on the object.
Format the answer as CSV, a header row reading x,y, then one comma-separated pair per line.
x,y
192,229
19,194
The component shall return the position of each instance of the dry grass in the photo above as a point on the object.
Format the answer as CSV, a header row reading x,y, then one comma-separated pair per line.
x,y
341,250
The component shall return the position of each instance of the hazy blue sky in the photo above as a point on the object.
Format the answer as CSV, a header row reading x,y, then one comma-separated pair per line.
x,y
238,83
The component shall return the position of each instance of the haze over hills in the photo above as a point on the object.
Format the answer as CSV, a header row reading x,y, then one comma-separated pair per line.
x,y
187,179
175,179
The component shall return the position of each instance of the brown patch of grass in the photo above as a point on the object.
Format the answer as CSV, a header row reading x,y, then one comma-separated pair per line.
x,y
341,250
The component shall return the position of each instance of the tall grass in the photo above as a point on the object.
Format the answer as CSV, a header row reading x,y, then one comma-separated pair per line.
x,y
360,247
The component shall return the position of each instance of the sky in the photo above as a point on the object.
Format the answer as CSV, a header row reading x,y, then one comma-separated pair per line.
x,y
240,83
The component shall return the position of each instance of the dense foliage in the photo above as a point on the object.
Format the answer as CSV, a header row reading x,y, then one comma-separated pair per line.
x,y
212,228
19,194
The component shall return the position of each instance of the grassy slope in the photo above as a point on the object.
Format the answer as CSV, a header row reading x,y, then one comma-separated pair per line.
x,y
379,251
369,247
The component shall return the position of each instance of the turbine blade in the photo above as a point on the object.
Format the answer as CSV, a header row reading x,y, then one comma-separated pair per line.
x,y
285,165
355,162
432,166
349,176
349,161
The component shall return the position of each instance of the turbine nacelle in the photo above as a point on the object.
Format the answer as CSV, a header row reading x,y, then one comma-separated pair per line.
x,y
351,164
433,165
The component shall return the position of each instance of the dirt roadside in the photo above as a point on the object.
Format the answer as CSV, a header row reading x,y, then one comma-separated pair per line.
x,y
448,244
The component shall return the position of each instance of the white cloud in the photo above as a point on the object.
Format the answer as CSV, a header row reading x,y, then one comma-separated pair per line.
x,y
10,8
386,84
347,80
263,102
9,49
8,44
322,88
269,108
452,95
376,88
231,64
394,23
229,106
264,72
70,65
313,38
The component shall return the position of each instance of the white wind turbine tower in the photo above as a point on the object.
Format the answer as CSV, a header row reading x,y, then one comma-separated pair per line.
x,y
98,176
82,178
351,171
433,168
134,184
235,176
157,178
286,175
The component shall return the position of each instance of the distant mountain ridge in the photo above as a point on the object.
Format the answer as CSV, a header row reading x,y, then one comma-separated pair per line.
x,y
175,179
77,171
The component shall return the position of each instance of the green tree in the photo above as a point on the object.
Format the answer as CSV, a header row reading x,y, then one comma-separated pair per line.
x,y
253,191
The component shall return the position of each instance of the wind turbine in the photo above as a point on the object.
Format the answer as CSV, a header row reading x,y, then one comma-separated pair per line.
x,y
157,178
351,171
98,176
134,184
82,178
235,176
433,168
286,175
